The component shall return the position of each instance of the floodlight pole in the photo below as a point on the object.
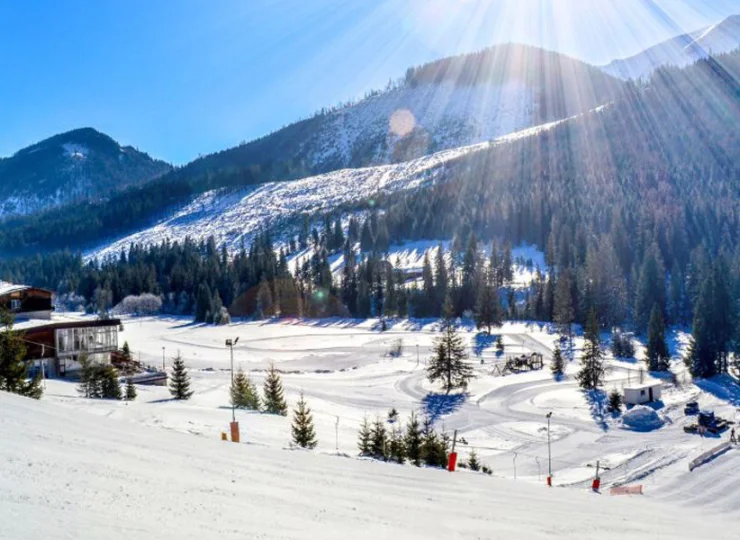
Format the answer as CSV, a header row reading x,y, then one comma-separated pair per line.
x,y
234,424
549,451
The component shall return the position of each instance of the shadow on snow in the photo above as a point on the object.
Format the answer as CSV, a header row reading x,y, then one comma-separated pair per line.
x,y
437,405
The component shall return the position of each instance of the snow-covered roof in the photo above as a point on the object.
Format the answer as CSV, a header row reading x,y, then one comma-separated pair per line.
x,y
7,288
643,386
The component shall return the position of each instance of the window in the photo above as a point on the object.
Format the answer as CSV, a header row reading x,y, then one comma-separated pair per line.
x,y
642,392
15,304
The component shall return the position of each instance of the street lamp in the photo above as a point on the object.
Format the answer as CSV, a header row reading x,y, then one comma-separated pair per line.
x,y
234,424
549,451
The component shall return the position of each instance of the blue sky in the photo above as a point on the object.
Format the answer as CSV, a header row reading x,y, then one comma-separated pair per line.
x,y
179,78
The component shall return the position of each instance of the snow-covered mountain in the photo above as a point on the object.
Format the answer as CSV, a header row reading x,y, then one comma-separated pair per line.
x,y
449,103
680,51
232,217
78,165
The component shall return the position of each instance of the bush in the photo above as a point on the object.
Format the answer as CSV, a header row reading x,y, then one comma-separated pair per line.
x,y
615,401
144,304
396,349
622,346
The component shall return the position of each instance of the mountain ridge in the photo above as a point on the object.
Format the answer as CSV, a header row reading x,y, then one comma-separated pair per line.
x,y
77,165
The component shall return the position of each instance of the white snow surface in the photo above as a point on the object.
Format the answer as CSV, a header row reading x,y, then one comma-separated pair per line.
x,y
343,368
680,51
67,474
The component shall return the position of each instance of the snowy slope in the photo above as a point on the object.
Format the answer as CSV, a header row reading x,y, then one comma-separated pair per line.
x,y
448,114
234,216
67,474
680,51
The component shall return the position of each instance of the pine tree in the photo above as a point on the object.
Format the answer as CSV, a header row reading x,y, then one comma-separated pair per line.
x,y
473,463
591,375
378,440
396,446
110,383
488,310
434,447
244,393
13,371
302,428
274,402
448,363
615,401
558,363
180,380
413,440
203,304
364,438
657,351
33,388
563,312
130,390
650,288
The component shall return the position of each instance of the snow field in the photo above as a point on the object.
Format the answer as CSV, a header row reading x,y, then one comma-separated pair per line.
x,y
343,368
69,475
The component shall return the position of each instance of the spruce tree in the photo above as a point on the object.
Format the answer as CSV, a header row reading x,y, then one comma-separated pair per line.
x,y
13,371
130,390
591,375
244,393
378,440
563,312
302,428
413,440
33,388
274,402
180,380
615,401
558,363
488,310
110,383
448,362
658,358
364,438
651,288
396,446
473,463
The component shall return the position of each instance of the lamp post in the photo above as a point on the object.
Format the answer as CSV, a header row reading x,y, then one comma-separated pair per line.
x,y
234,424
549,451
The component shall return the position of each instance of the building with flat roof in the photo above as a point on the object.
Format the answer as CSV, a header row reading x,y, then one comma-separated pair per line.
x,y
53,343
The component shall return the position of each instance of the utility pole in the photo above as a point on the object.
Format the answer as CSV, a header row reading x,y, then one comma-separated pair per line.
x,y
164,367
549,451
234,424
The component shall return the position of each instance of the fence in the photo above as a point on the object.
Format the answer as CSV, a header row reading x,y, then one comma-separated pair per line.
x,y
709,455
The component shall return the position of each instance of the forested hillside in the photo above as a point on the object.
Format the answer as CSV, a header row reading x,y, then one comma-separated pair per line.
x,y
637,207
446,104
76,166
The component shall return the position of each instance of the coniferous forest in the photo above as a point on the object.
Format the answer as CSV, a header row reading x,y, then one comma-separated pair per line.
x,y
636,207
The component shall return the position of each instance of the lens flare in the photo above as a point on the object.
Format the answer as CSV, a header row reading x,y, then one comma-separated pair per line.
x,y
402,122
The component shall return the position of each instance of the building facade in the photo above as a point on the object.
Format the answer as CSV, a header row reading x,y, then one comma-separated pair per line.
x,y
56,344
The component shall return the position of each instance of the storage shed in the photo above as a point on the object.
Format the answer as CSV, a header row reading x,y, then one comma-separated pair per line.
x,y
638,394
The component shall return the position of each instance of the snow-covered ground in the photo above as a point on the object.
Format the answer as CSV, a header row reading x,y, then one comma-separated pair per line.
x,y
344,370
68,475
233,217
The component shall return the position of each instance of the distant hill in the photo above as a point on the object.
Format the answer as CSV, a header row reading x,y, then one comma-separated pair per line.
x,y
79,165
680,51
445,104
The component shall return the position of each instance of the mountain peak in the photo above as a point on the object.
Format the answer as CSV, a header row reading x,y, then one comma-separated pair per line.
x,y
76,165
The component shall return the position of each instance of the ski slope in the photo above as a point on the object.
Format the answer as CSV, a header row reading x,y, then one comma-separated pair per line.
x,y
67,475
344,370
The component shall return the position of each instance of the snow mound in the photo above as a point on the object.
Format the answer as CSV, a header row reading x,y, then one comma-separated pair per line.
x,y
642,418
